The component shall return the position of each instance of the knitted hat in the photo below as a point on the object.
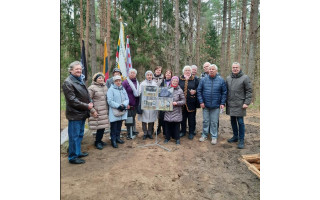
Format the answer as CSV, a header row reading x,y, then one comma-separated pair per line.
x,y
147,72
116,78
175,77
97,75
116,70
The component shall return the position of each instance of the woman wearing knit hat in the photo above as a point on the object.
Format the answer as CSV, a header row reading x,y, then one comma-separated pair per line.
x,y
148,117
173,118
118,101
99,118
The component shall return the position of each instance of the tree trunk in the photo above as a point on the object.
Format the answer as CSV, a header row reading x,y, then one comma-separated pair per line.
x,y
228,63
108,32
160,15
103,26
177,36
81,24
190,39
223,40
236,48
114,9
87,31
253,39
198,35
92,42
243,36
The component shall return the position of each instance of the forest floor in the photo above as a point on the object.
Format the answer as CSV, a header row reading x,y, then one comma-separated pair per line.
x,y
192,170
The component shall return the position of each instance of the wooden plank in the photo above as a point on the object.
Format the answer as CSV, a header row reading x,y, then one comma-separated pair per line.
x,y
251,167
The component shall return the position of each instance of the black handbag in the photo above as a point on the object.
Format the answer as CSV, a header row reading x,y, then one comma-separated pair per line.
x,y
139,110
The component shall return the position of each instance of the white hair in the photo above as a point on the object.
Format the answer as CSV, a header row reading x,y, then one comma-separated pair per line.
x,y
215,66
73,64
236,63
206,64
194,67
187,66
133,70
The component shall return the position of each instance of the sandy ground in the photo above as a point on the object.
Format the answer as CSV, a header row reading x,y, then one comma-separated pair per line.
x,y
193,170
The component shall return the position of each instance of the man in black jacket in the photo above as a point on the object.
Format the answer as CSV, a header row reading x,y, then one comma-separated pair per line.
x,y
78,105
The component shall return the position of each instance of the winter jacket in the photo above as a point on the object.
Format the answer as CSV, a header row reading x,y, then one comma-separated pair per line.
x,y
133,101
158,79
109,82
239,93
176,114
164,83
98,94
212,91
186,86
77,99
117,96
147,116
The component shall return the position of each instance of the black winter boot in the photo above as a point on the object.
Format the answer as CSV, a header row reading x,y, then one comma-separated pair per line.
x,y
233,139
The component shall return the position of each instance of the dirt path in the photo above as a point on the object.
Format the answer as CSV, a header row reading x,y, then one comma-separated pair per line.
x,y
192,170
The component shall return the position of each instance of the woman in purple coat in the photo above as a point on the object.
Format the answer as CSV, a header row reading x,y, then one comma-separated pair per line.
x,y
131,85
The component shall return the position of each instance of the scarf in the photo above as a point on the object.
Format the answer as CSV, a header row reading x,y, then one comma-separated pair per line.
x,y
187,77
167,81
134,89
80,79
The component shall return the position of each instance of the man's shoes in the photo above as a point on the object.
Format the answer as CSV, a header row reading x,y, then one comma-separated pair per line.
x,y
191,136
83,154
114,144
103,144
150,136
202,139
144,137
241,144
99,146
233,139
119,141
178,142
182,134
166,141
77,161
214,141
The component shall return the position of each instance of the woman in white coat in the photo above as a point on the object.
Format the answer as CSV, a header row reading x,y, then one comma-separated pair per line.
x,y
148,117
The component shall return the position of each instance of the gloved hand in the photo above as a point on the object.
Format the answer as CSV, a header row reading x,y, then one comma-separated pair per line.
x,y
120,108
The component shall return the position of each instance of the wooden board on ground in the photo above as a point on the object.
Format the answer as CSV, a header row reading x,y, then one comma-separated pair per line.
x,y
253,163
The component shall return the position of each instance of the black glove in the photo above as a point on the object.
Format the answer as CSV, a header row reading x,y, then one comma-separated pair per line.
x,y
120,108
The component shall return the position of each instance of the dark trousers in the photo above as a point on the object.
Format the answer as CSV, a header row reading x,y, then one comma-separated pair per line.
x,y
172,130
147,128
235,122
99,136
132,113
191,117
161,122
115,129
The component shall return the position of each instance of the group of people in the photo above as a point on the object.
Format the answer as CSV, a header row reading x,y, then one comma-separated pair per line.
x,y
108,104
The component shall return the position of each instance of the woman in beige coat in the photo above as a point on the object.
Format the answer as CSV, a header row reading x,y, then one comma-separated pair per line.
x,y
99,118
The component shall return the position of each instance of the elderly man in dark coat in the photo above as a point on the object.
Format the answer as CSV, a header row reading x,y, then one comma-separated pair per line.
x,y
239,98
78,106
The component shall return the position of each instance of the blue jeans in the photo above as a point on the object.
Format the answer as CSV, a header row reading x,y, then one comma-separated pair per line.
x,y
75,133
238,132
210,122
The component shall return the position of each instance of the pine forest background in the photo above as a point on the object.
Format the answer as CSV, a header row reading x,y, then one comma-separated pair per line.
x,y
169,33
